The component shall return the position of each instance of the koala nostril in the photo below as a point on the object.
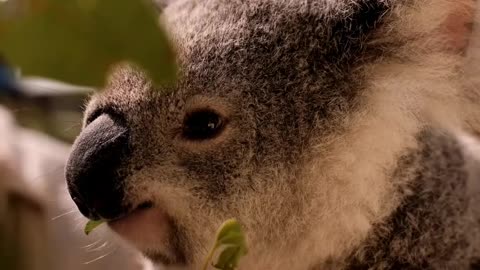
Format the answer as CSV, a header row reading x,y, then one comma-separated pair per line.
x,y
92,169
145,205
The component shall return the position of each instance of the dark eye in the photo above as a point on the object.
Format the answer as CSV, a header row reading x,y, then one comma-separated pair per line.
x,y
201,125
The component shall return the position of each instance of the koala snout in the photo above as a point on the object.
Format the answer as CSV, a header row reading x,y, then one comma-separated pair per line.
x,y
92,171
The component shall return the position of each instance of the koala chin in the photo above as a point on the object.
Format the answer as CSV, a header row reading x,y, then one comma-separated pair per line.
x,y
342,134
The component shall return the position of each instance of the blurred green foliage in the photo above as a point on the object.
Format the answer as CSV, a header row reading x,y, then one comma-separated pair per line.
x,y
77,41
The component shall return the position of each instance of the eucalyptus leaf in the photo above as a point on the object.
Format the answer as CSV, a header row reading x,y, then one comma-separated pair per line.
x,y
231,243
78,41
232,238
228,228
91,225
229,258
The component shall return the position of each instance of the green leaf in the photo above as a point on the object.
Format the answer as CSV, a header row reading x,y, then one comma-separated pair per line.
x,y
229,258
232,238
229,227
231,241
91,225
78,41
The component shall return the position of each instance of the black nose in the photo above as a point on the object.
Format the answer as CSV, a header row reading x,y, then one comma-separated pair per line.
x,y
92,171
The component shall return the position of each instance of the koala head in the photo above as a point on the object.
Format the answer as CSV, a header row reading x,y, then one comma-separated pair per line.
x,y
288,115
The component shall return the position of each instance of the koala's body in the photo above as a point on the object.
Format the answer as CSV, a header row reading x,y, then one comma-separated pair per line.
x,y
341,134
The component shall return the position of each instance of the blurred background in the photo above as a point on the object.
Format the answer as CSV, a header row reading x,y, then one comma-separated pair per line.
x,y
39,119
47,106
40,227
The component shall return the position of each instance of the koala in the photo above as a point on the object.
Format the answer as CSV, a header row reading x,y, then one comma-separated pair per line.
x,y
341,134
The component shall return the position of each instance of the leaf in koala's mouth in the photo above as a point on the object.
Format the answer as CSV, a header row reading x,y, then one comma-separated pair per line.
x,y
91,225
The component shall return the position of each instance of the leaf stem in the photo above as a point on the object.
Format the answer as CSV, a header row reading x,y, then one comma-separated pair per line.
x,y
209,258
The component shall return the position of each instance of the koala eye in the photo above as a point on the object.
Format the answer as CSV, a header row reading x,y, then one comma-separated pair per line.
x,y
202,125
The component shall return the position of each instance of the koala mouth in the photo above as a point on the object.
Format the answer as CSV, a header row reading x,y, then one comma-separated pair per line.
x,y
130,221
149,229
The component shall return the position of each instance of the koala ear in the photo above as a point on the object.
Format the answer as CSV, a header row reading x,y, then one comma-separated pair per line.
x,y
458,24
444,22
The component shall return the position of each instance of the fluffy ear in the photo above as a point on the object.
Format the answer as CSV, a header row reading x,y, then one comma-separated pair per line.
x,y
447,23
458,24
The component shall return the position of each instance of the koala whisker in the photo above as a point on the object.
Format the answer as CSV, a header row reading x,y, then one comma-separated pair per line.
x,y
73,211
102,246
89,246
100,257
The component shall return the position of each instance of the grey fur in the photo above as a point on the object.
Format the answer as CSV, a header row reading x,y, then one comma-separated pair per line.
x,y
326,158
433,228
